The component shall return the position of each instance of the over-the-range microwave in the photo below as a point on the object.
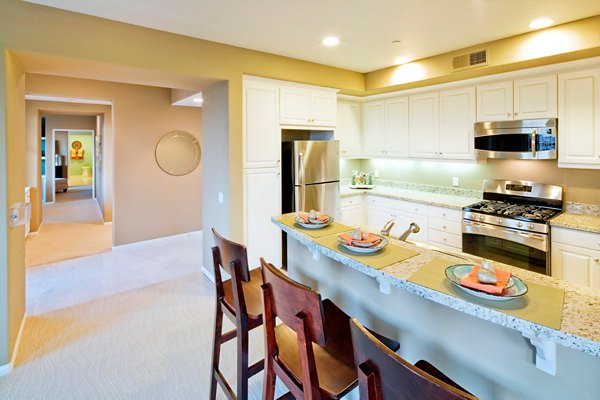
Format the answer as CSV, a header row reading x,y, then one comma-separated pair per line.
x,y
529,139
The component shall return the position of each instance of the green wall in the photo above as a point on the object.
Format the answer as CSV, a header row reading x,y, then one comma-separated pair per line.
x,y
87,140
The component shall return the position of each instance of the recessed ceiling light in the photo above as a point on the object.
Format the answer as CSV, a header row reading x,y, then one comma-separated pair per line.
x,y
331,41
541,23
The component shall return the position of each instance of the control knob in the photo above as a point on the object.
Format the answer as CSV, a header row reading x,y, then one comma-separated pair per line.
x,y
531,226
481,217
519,224
499,220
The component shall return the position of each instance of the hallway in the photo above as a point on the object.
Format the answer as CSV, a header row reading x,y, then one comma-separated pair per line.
x,y
72,227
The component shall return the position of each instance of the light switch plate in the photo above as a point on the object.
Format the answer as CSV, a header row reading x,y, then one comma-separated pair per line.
x,y
221,197
455,181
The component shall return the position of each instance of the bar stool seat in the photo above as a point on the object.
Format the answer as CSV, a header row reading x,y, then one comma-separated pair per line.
x,y
252,296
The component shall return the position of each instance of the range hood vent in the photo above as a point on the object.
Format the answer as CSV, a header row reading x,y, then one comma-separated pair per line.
x,y
470,60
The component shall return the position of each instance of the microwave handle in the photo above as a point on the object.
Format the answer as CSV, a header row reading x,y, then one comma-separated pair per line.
x,y
533,142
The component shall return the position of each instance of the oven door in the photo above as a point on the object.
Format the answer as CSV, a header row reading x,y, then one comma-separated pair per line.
x,y
510,246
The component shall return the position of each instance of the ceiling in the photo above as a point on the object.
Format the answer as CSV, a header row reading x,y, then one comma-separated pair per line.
x,y
366,28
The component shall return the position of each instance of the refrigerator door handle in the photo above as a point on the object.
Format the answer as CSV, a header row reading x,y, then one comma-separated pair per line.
x,y
301,178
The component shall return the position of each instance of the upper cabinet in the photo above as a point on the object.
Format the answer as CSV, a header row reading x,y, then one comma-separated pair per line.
x,y
349,127
579,121
385,127
308,107
441,124
261,132
520,99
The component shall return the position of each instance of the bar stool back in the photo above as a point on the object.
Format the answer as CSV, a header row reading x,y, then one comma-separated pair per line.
x,y
384,375
239,298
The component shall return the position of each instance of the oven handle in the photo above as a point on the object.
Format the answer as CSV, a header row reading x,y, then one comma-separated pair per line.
x,y
535,241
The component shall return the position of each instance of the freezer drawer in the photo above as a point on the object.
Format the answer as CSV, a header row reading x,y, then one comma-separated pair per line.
x,y
324,197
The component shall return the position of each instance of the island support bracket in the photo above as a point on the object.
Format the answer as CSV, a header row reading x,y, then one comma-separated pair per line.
x,y
384,287
545,353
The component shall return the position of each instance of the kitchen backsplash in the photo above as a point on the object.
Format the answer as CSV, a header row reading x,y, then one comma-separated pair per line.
x,y
424,188
581,208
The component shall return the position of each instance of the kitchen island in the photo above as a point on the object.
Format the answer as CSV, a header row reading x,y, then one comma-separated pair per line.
x,y
485,349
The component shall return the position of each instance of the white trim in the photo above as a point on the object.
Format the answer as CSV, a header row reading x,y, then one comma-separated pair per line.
x,y
160,240
208,274
251,78
67,99
5,369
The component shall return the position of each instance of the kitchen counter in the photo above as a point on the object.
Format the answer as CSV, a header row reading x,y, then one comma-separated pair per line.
x,y
428,322
447,199
582,222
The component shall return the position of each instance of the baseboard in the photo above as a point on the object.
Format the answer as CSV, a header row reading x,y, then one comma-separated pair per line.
x,y
208,274
5,369
108,223
161,240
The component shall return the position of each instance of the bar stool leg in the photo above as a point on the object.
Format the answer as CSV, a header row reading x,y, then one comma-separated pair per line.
x,y
217,340
242,359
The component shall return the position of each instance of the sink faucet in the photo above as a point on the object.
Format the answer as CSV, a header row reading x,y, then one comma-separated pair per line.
x,y
412,228
385,231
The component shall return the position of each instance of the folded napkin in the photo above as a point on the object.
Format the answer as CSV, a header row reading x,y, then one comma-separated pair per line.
x,y
472,282
371,239
304,217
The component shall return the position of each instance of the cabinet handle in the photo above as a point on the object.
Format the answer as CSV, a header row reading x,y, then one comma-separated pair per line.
x,y
508,114
596,260
444,226
443,214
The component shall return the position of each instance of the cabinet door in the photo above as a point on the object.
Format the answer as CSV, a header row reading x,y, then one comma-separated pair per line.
x,y
294,106
348,129
323,109
262,200
373,129
536,98
495,101
423,125
579,110
576,264
396,127
261,133
457,116
377,217
352,215
403,221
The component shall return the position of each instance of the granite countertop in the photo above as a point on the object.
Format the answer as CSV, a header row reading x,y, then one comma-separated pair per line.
x,y
582,222
580,327
447,200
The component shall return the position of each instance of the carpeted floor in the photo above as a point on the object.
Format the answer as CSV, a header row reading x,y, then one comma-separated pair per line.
x,y
72,227
133,323
74,193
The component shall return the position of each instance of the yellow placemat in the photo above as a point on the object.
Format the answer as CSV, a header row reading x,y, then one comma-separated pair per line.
x,y
288,219
541,304
390,254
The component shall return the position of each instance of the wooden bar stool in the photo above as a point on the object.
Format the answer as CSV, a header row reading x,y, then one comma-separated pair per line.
x,y
384,375
311,351
240,299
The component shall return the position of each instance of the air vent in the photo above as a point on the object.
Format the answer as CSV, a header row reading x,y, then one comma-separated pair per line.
x,y
470,60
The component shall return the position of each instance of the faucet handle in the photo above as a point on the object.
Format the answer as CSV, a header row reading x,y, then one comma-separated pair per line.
x,y
387,228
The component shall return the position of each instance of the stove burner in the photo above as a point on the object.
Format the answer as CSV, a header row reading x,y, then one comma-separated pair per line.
x,y
521,211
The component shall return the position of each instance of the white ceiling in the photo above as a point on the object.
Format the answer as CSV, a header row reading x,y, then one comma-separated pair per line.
x,y
366,28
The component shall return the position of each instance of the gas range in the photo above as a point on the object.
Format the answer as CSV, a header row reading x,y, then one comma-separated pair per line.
x,y
511,224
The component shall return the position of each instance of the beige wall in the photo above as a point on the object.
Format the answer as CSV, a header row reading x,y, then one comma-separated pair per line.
x,y
148,203
12,182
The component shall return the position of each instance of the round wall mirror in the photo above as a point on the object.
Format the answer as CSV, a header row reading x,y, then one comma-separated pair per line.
x,y
178,153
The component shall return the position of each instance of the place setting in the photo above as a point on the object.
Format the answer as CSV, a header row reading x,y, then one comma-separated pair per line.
x,y
313,223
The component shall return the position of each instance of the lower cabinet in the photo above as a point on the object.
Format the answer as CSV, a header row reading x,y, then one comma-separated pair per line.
x,y
445,227
352,211
262,200
380,210
576,256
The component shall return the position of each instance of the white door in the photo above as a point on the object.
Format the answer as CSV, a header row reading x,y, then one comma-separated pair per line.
x,y
262,200
457,116
495,101
576,264
579,110
323,109
348,128
396,127
423,125
373,129
262,136
536,98
294,106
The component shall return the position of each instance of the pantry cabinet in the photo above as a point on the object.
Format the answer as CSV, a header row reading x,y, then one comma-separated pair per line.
x,y
579,122
576,256
349,128
261,132
527,98
308,107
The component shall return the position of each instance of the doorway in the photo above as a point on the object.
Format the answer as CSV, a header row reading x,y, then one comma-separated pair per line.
x,y
74,165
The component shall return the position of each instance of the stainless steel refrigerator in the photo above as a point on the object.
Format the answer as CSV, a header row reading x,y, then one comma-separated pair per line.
x,y
311,176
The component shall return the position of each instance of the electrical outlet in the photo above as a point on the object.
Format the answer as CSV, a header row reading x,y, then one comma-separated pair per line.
x,y
376,173
221,197
455,181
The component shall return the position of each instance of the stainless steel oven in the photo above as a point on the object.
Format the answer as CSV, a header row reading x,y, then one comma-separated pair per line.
x,y
511,224
530,139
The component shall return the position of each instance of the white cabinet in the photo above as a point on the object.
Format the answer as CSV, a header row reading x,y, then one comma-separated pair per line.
x,y
349,127
262,200
424,125
380,210
522,99
457,118
445,227
261,133
576,256
385,125
579,110
308,107
352,211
